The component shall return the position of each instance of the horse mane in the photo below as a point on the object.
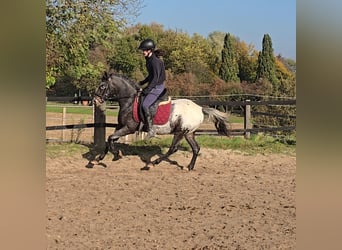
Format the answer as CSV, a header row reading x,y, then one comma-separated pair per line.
x,y
129,80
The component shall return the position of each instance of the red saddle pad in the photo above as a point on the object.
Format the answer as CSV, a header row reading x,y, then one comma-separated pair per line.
x,y
162,115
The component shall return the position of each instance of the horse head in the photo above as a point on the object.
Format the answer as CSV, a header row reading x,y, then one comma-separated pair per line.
x,y
103,90
112,85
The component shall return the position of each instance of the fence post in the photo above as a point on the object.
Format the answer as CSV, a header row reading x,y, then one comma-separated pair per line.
x,y
247,119
63,123
99,128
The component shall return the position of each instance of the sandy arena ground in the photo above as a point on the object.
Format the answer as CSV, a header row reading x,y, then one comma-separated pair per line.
x,y
230,201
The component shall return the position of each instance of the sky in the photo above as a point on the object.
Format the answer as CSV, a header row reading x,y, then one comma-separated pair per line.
x,y
249,20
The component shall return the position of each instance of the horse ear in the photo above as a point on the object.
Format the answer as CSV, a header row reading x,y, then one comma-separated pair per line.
x,y
104,76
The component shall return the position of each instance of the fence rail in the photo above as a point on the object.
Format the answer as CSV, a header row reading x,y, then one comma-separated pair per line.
x,y
247,125
274,115
77,126
244,103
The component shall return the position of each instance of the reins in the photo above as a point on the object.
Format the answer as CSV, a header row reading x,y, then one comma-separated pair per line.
x,y
131,83
126,97
136,93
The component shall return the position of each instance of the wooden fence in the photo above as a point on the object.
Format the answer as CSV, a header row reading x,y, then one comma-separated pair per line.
x,y
248,113
100,123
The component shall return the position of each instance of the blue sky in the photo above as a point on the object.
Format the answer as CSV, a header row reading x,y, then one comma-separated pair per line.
x,y
247,19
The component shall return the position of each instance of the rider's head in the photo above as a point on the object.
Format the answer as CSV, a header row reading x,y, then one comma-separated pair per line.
x,y
147,46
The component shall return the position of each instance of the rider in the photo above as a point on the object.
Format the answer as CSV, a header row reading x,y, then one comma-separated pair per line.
x,y
155,79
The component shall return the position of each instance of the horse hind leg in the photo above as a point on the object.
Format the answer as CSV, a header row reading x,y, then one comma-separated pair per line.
x,y
190,138
173,148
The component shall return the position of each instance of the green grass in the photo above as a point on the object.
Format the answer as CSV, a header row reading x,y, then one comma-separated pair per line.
x,y
235,119
257,144
54,150
83,110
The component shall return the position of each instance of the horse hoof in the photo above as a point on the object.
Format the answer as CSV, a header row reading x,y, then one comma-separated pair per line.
x,y
118,155
148,166
89,165
145,168
94,162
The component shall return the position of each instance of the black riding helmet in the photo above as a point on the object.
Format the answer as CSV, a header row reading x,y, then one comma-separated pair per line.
x,y
147,44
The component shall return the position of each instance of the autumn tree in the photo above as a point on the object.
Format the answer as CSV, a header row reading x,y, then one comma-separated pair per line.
x,y
229,67
247,58
73,29
216,40
187,51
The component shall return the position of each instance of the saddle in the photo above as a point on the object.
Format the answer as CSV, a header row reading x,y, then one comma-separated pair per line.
x,y
160,109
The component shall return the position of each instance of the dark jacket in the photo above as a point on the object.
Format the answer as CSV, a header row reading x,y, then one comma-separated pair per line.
x,y
156,72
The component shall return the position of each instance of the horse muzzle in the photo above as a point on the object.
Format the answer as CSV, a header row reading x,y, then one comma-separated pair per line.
x,y
99,103
98,100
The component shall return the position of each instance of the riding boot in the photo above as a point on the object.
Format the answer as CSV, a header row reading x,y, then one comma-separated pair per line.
x,y
151,132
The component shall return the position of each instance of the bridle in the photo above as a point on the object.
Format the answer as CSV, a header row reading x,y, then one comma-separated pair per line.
x,y
101,99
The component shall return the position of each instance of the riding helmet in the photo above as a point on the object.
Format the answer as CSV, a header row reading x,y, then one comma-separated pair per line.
x,y
147,44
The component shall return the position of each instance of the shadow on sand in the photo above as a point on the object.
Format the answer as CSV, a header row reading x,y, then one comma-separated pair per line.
x,y
145,152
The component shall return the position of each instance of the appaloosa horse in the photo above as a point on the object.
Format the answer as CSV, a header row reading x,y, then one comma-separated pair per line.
x,y
185,117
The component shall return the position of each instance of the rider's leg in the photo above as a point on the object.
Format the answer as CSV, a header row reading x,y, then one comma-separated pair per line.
x,y
148,101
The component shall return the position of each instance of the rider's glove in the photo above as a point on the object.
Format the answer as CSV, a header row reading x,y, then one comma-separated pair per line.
x,y
145,91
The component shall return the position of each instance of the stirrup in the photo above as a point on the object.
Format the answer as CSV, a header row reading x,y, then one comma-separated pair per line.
x,y
150,134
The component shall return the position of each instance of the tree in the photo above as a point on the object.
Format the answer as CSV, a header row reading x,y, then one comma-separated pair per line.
x,y
278,81
229,67
266,62
125,59
288,63
247,61
76,27
216,41
185,54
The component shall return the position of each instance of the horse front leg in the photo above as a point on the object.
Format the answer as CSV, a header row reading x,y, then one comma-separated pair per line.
x,y
103,154
109,147
111,144
114,137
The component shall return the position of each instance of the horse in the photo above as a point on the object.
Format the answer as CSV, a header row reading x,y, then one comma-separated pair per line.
x,y
184,119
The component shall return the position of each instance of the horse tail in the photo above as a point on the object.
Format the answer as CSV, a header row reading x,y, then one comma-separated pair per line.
x,y
219,119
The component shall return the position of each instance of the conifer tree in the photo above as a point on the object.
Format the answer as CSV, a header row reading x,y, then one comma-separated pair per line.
x,y
229,67
274,86
266,62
